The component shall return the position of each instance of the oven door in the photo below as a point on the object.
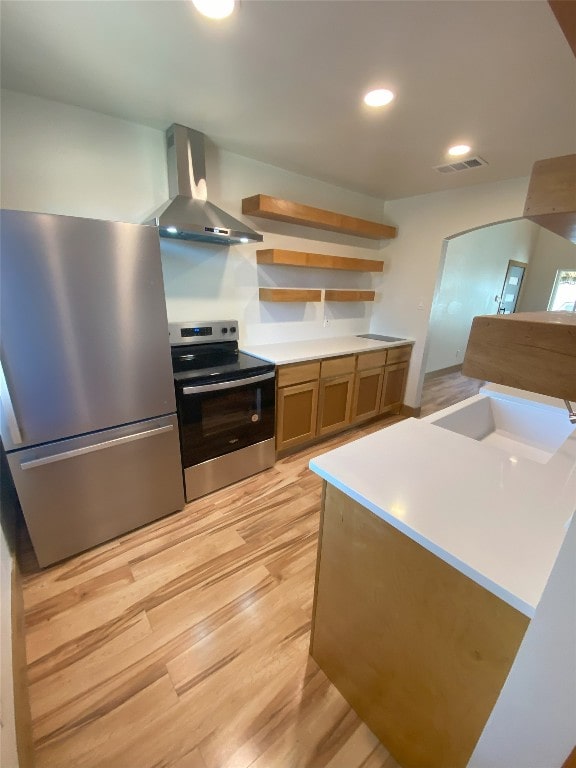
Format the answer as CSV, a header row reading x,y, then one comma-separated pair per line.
x,y
216,419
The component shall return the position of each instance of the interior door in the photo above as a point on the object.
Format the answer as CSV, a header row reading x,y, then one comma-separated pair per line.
x,y
511,287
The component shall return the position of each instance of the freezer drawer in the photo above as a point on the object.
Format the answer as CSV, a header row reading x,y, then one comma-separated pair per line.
x,y
80,492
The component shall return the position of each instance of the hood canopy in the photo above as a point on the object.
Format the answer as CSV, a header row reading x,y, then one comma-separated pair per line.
x,y
188,215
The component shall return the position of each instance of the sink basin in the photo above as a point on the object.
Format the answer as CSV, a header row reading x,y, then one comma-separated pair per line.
x,y
519,428
376,337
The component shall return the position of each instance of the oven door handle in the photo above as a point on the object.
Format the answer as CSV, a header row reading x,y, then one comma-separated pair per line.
x,y
227,384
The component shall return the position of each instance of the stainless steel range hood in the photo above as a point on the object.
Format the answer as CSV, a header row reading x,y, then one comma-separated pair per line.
x,y
188,215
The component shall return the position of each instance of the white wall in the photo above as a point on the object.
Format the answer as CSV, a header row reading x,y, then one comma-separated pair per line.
x,y
474,270
62,159
550,253
414,258
533,724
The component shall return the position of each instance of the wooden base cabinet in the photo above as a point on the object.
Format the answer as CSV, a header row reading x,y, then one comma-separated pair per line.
x,y
297,407
296,404
367,394
368,385
322,397
335,394
393,387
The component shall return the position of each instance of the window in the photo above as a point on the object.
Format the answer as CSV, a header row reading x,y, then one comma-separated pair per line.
x,y
564,292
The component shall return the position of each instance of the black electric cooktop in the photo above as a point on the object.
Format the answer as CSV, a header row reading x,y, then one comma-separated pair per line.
x,y
376,337
215,362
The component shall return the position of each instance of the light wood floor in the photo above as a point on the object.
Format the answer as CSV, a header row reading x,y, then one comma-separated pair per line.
x,y
442,390
185,644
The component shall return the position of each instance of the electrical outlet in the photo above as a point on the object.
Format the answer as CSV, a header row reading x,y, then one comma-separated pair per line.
x,y
326,322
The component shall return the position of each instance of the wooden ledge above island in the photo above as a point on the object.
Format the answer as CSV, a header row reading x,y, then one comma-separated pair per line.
x,y
533,351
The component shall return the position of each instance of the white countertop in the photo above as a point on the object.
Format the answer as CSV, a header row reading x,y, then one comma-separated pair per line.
x,y
299,351
498,519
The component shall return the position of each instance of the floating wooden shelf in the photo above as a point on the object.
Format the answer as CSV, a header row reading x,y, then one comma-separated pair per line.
x,y
317,260
295,213
551,199
349,295
289,294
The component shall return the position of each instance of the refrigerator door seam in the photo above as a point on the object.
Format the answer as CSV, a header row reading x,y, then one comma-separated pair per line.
x,y
97,447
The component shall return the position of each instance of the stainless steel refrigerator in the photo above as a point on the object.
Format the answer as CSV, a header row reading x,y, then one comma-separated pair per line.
x,y
88,416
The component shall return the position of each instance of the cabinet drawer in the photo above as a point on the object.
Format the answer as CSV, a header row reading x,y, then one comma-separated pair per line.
x,y
337,366
398,354
368,360
298,373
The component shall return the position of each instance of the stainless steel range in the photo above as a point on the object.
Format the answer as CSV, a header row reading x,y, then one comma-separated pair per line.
x,y
226,406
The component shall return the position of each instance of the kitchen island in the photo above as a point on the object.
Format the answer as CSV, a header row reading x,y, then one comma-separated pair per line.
x,y
438,539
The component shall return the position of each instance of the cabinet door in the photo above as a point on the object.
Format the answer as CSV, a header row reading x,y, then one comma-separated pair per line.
x,y
334,403
367,393
393,387
296,414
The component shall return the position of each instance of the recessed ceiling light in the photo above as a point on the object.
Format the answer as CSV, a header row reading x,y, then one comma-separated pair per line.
x,y
459,149
378,98
214,9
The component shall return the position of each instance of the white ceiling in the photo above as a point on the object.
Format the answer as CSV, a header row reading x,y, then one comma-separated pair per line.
x,y
282,80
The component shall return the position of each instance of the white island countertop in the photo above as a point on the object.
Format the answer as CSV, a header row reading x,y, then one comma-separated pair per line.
x,y
498,518
286,352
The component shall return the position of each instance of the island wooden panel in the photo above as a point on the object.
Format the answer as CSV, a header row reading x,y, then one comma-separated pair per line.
x,y
295,213
341,295
535,351
551,198
317,260
289,294
419,650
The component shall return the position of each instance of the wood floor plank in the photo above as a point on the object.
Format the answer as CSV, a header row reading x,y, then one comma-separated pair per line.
x,y
92,742
60,684
98,612
129,654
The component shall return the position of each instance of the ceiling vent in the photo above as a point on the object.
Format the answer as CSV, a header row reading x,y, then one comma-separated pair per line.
x,y
461,165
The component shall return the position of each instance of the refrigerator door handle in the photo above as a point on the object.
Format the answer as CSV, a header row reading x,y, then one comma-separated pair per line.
x,y
96,447
11,420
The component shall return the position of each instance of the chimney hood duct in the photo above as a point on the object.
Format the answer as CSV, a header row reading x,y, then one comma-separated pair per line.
x,y
188,215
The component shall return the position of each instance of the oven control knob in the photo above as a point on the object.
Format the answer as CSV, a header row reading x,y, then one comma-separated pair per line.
x,y
233,329
224,330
